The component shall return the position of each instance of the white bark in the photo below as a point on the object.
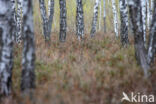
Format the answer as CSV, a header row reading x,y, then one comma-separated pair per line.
x,y
115,18
104,14
148,14
95,17
143,5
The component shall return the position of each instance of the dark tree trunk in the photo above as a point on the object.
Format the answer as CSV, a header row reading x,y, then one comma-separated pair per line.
x,y
124,22
140,51
6,52
79,20
63,21
47,21
28,61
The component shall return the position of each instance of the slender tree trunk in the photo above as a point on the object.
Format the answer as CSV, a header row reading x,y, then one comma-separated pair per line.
x,y
104,15
100,17
28,61
148,14
63,21
19,21
14,19
44,19
143,8
95,17
115,18
47,21
140,51
152,39
79,20
124,22
151,9
50,15
6,52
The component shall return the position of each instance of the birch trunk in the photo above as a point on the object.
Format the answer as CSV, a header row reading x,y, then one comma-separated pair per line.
x,y
95,17
100,17
152,39
124,22
104,15
115,18
50,15
148,14
6,52
28,60
63,21
19,21
151,9
80,20
44,19
143,12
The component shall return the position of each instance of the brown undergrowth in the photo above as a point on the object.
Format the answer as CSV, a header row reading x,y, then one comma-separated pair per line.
x,y
92,71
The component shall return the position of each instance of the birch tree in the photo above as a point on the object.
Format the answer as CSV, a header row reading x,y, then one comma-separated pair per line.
x,y
95,17
104,15
143,7
19,21
47,21
79,20
151,9
148,14
143,58
100,17
124,22
28,60
6,52
63,21
115,18
152,38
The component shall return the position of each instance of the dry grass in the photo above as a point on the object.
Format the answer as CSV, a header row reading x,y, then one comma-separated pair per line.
x,y
94,71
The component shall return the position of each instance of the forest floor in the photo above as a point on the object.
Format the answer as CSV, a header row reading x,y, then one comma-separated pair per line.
x,y
94,71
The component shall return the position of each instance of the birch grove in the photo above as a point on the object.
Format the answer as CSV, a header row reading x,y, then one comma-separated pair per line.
x,y
80,57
